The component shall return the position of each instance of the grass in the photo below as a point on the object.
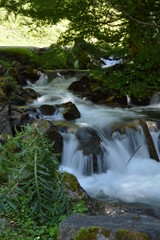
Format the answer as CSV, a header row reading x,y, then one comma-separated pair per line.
x,y
22,31
55,57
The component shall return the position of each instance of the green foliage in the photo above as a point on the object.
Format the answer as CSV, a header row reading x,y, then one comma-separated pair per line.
x,y
55,57
80,207
21,54
30,182
128,29
29,32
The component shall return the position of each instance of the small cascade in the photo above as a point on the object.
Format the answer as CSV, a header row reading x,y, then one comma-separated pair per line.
x,y
113,154
43,80
128,174
83,163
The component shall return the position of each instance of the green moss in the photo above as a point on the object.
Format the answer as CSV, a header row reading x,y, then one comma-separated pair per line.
x,y
76,195
71,182
130,235
91,233
80,207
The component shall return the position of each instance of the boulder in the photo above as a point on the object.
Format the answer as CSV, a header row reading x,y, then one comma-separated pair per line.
x,y
47,110
77,195
70,111
90,145
80,86
105,227
51,131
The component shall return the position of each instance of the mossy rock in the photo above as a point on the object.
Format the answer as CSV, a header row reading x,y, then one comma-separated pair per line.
x,y
65,125
71,182
92,233
129,235
78,197
70,111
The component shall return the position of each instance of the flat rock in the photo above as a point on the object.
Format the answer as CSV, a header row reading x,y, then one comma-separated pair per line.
x,y
150,226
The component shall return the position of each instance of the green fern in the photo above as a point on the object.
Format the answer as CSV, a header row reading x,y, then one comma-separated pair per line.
x,y
29,168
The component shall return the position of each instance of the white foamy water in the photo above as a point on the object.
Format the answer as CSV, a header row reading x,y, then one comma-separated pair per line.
x,y
131,175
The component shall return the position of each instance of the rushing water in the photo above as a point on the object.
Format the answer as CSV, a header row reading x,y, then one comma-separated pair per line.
x,y
127,174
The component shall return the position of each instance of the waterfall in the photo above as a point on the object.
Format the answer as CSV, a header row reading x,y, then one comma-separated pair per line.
x,y
109,162
134,181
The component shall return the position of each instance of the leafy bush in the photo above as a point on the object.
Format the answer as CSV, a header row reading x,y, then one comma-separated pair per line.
x,y
30,180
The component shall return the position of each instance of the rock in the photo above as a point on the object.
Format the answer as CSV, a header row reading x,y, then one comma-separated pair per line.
x,y
77,195
73,188
47,110
30,74
22,73
24,96
31,93
93,233
70,111
121,127
90,87
15,117
90,145
120,227
65,126
20,117
5,126
51,131
80,86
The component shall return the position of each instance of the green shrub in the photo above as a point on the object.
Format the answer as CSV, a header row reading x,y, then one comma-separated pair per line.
x,y
31,184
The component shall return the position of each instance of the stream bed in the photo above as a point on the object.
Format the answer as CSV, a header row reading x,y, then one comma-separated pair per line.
x,y
124,170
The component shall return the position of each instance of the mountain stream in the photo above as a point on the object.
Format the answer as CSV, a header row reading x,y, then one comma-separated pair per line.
x,y
125,171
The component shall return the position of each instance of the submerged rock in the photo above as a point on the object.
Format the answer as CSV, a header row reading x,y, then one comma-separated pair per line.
x,y
90,145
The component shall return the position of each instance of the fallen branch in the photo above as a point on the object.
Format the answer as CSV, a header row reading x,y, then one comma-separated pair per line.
x,y
133,155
